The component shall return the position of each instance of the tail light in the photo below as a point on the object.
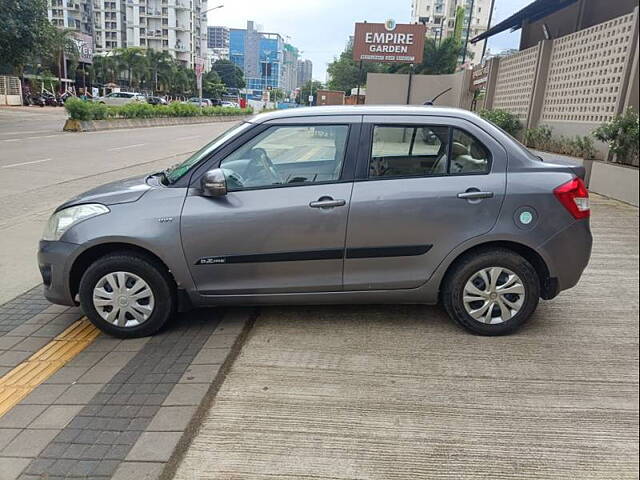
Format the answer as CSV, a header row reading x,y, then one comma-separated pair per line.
x,y
575,198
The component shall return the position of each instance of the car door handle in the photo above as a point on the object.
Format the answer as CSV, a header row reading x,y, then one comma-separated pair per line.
x,y
475,195
327,202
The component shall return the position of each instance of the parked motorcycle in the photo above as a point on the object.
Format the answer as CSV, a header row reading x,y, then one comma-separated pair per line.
x,y
38,99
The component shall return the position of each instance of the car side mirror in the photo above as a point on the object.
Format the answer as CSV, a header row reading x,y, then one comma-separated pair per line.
x,y
213,183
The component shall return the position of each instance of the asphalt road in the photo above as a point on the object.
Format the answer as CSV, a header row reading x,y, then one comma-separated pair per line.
x,y
399,392
41,166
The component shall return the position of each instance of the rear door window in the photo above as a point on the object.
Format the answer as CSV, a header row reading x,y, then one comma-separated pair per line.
x,y
403,151
427,150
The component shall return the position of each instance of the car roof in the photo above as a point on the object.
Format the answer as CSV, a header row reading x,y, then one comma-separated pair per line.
x,y
334,110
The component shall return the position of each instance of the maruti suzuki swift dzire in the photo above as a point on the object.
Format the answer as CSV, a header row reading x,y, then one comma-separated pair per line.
x,y
363,204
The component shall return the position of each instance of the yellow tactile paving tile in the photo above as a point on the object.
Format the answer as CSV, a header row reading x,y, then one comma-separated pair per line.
x,y
23,379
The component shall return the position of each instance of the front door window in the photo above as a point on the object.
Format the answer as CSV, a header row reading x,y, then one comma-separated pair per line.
x,y
288,155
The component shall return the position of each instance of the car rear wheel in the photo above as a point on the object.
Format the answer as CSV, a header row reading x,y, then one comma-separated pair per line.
x,y
492,292
127,295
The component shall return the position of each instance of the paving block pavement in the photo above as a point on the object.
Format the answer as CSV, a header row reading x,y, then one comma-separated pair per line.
x,y
399,392
118,408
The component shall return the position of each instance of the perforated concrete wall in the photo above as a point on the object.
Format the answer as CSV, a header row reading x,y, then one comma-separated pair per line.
x,y
515,81
586,72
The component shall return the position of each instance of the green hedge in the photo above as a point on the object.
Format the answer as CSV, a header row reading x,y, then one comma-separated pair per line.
x,y
83,110
503,119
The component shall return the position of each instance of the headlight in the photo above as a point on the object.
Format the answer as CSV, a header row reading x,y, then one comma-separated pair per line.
x,y
61,221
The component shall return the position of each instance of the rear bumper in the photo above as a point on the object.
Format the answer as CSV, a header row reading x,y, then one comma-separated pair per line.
x,y
54,261
567,254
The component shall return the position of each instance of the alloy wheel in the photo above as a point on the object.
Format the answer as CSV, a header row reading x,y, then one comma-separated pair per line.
x,y
123,299
493,295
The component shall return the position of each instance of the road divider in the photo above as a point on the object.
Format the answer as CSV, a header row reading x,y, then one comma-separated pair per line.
x,y
115,124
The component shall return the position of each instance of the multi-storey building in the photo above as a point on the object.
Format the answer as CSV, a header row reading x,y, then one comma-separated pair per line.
x,y
440,18
305,72
259,55
108,16
290,68
217,44
175,26
178,27
74,14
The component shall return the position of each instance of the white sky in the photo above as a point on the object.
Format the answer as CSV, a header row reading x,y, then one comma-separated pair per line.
x,y
320,28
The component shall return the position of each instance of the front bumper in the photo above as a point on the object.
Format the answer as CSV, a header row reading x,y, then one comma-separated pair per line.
x,y
567,254
54,260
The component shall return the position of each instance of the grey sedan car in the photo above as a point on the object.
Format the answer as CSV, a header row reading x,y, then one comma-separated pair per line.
x,y
358,204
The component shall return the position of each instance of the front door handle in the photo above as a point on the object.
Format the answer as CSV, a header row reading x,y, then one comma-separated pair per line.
x,y
327,202
475,195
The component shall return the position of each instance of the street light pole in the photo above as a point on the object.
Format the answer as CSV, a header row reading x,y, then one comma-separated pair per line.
x,y
203,16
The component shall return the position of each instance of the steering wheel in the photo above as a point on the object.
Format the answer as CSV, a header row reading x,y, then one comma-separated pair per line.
x,y
260,163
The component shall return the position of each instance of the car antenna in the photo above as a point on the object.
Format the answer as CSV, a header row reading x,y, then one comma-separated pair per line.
x,y
432,101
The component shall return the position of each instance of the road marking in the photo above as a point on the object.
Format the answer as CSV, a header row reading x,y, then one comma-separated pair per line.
x,y
190,136
23,379
13,139
26,163
21,132
126,146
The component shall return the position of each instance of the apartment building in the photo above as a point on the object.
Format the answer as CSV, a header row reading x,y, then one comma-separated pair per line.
x,y
290,68
305,72
178,27
75,14
175,26
217,44
440,18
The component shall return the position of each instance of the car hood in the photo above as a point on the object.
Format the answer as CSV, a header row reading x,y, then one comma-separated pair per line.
x,y
121,191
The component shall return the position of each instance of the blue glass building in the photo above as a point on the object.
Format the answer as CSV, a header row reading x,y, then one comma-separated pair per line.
x,y
259,55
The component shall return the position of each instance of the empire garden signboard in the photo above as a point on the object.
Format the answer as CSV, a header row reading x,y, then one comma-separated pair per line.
x,y
389,42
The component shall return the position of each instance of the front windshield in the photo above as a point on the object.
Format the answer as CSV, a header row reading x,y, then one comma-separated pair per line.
x,y
179,170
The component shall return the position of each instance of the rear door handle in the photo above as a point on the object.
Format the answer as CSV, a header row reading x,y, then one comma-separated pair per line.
x,y
475,195
327,202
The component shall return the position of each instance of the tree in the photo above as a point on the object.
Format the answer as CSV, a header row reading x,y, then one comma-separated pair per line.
x,y
62,47
230,74
212,86
104,69
439,58
157,61
343,72
24,32
277,95
133,61
309,88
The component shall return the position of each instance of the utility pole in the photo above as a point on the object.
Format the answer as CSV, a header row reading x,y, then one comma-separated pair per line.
x,y
484,47
359,80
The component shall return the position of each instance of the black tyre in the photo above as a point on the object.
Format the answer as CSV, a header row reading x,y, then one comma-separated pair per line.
x,y
491,292
127,295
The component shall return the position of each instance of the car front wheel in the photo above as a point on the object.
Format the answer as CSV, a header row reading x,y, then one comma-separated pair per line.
x,y
127,295
492,292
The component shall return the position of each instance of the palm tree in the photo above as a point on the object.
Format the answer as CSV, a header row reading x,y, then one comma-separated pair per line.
x,y
132,61
156,61
62,46
439,58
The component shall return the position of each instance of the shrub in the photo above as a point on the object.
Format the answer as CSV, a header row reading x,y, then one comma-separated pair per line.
x,y
83,110
538,137
79,109
621,135
508,121
542,138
